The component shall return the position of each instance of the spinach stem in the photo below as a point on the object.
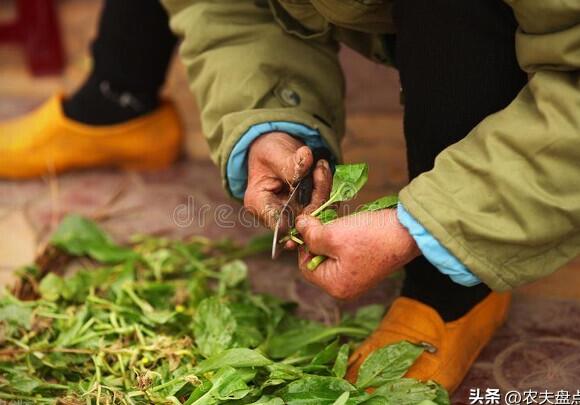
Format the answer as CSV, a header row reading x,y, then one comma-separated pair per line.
x,y
296,239
323,206
315,262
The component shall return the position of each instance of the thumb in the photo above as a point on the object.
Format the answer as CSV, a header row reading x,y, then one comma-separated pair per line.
x,y
294,166
315,235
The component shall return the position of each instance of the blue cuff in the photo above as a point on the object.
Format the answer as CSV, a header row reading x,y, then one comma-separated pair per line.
x,y
237,168
435,252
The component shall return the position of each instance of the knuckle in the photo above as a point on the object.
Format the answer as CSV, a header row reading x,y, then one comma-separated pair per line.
x,y
315,236
331,239
251,203
341,292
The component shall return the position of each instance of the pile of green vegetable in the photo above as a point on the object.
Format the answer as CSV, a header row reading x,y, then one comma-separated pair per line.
x,y
170,322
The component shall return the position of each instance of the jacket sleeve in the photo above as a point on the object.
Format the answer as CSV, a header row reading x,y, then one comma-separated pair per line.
x,y
506,199
244,70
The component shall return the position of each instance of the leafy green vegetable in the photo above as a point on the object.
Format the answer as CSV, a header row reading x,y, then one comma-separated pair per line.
x,y
347,181
327,354
343,399
51,287
268,400
387,363
407,391
15,313
287,343
389,201
315,390
79,236
367,317
176,323
232,274
226,385
213,326
341,361
241,357
327,215
281,373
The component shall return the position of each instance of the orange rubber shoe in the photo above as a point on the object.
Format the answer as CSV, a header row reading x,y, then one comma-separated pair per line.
x,y
46,141
451,348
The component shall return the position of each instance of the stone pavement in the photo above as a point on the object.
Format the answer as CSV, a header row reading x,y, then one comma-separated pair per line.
x,y
538,348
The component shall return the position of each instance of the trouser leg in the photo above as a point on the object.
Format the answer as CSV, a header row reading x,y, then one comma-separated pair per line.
x,y
131,54
457,65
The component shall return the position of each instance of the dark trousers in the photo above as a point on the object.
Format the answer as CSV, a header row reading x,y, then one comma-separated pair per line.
x,y
130,58
134,45
457,65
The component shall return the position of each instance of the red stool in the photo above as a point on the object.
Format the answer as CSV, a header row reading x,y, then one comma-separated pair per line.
x,y
36,29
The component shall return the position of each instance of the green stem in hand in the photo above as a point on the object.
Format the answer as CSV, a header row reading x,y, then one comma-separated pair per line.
x,y
346,183
296,239
323,207
315,262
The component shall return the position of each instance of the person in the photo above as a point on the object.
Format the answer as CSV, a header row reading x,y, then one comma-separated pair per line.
x,y
116,117
492,125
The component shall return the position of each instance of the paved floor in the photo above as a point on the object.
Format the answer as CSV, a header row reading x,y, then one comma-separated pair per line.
x,y
539,347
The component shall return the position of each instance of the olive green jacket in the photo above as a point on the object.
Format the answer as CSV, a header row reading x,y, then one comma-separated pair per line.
x,y
505,200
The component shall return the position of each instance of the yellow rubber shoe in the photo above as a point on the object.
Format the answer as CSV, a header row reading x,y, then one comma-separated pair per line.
x,y
451,348
46,141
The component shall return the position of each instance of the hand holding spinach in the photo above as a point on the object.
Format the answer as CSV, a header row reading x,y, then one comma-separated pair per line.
x,y
354,252
360,250
348,180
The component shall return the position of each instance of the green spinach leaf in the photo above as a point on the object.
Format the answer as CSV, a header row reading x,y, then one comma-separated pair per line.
x,y
341,362
315,390
239,357
387,363
79,236
214,326
347,181
382,203
407,391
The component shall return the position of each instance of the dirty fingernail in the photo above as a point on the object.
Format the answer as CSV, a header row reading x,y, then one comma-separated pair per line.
x,y
323,164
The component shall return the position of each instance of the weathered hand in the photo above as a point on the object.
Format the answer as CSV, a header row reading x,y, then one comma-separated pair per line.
x,y
276,162
361,250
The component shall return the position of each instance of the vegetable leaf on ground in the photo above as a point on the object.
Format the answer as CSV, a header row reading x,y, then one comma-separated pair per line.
x,y
387,363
